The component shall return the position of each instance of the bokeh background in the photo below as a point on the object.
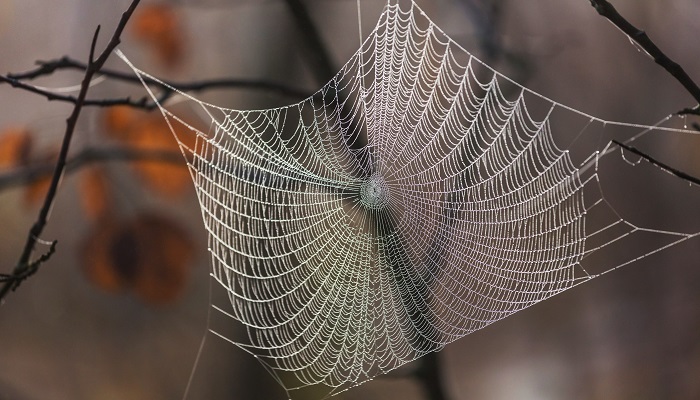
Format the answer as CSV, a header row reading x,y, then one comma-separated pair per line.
x,y
95,323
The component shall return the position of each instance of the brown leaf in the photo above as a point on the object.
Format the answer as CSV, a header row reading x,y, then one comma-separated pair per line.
x,y
15,147
95,193
158,26
103,257
167,179
119,121
149,255
149,131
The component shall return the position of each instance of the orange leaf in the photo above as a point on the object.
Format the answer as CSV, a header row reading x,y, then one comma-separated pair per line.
x,y
94,193
159,26
149,254
152,133
15,146
103,253
166,179
149,131
119,121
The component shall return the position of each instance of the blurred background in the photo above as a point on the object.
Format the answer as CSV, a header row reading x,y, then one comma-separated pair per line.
x,y
100,322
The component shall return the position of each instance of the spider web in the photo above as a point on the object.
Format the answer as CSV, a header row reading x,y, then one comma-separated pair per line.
x,y
417,197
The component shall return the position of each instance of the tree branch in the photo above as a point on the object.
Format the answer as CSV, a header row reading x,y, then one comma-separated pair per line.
x,y
94,65
65,63
16,279
605,9
686,111
659,164
143,103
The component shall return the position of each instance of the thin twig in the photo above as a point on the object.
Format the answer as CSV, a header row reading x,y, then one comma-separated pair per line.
x,y
659,164
690,111
34,172
142,103
15,279
93,66
640,37
65,63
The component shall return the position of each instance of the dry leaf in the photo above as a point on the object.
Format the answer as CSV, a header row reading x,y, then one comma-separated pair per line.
x,y
167,179
159,26
149,131
119,121
101,257
149,255
15,147
95,193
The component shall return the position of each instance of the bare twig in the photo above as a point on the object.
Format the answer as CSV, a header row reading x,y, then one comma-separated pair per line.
x,y
658,163
142,103
94,65
66,63
640,37
690,111
15,279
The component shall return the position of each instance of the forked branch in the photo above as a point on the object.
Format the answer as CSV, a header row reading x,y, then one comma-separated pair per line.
x,y
46,68
25,265
607,10
658,163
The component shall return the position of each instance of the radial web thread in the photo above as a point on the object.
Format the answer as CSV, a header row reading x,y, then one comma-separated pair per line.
x,y
414,199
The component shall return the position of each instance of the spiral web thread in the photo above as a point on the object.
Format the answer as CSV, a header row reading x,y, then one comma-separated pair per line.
x,y
408,203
